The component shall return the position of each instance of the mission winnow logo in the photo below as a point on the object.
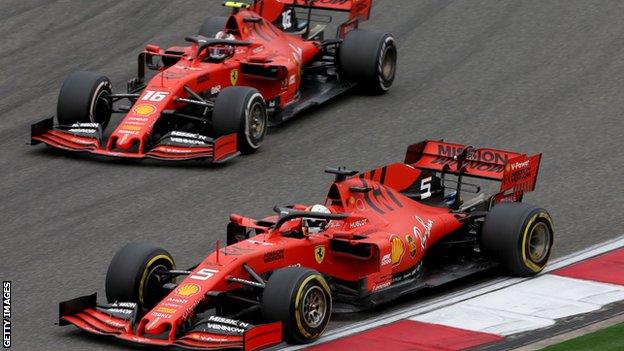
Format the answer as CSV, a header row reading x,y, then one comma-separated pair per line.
x,y
6,314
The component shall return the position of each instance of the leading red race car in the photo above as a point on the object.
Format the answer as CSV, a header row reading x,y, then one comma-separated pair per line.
x,y
215,98
379,235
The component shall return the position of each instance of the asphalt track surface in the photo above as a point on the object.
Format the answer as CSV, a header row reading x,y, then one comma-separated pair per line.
x,y
533,76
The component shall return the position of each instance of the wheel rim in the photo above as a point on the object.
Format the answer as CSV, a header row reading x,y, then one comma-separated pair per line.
x,y
257,122
102,108
539,242
152,292
314,307
388,65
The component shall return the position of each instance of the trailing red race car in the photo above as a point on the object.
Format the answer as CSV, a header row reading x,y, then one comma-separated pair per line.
x,y
379,235
215,98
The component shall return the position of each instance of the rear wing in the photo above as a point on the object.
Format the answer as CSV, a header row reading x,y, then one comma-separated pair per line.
x,y
517,172
358,9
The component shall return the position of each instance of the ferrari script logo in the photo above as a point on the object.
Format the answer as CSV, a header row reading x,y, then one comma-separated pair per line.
x,y
319,254
234,76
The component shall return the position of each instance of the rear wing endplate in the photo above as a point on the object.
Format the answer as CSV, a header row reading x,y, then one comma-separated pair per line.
x,y
517,172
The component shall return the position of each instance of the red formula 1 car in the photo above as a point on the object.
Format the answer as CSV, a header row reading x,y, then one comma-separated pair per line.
x,y
215,98
379,235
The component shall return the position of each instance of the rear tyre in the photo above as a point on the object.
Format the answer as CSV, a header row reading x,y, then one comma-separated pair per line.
x,y
241,110
299,298
520,236
369,58
132,275
212,26
85,97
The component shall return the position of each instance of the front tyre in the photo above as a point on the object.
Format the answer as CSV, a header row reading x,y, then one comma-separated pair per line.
x,y
241,110
299,298
520,236
85,98
369,58
133,275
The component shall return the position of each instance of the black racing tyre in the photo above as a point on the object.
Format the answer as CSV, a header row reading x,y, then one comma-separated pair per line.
x,y
520,236
131,275
369,58
241,110
299,298
212,26
85,97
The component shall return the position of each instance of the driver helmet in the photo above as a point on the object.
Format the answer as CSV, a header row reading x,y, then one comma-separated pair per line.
x,y
220,52
314,225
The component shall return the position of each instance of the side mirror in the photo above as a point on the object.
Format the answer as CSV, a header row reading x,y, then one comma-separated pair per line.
x,y
237,233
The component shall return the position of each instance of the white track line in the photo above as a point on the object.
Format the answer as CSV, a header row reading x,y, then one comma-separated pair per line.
x,y
425,306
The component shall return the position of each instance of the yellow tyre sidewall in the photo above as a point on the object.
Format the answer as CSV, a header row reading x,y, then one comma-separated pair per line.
x,y
146,271
299,296
540,216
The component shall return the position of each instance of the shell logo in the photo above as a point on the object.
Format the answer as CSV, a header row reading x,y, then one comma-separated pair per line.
x,y
144,110
188,290
398,249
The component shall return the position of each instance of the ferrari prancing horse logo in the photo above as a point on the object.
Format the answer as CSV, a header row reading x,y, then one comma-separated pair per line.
x,y
234,76
319,254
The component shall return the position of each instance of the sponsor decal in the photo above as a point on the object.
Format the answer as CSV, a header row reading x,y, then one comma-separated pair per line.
x,y
131,127
422,230
223,328
174,300
203,78
83,130
398,249
319,254
229,321
144,109
274,256
138,119
187,141
124,304
166,310
120,310
189,135
515,166
292,80
215,90
260,243
258,50
411,243
358,223
85,125
6,314
188,290
234,76
386,260
160,315
201,337
382,285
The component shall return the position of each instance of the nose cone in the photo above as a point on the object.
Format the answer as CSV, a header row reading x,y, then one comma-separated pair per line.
x,y
125,143
155,325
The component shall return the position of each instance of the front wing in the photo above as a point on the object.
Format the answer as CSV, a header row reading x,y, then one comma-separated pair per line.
x,y
87,137
119,320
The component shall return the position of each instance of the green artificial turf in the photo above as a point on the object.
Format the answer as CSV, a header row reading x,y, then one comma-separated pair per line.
x,y
609,339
